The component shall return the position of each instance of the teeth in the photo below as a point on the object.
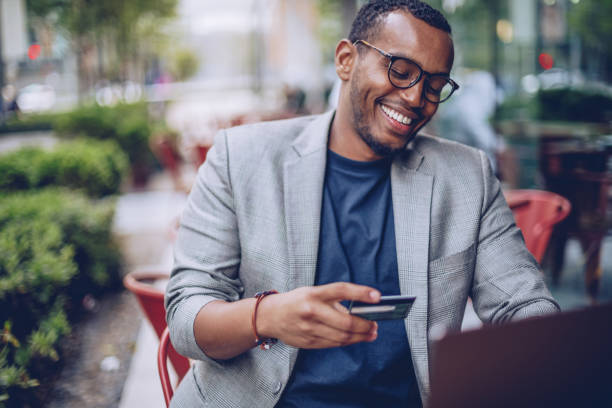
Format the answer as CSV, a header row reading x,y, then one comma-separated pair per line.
x,y
396,115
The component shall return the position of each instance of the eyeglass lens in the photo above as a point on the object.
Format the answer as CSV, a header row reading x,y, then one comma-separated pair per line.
x,y
404,74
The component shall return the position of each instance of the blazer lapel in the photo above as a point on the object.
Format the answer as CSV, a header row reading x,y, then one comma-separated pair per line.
x,y
304,174
303,177
411,192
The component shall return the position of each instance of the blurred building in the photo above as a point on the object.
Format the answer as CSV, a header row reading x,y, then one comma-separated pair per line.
x,y
13,46
256,44
14,34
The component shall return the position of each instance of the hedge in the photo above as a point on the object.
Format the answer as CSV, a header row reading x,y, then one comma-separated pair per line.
x,y
29,122
128,125
55,247
567,104
559,105
97,167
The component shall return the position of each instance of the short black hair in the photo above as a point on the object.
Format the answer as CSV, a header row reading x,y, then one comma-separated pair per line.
x,y
369,18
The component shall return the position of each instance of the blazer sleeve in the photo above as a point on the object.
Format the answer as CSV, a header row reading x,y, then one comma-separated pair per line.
x,y
206,252
508,283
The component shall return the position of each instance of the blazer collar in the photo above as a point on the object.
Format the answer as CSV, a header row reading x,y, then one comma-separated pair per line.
x,y
315,136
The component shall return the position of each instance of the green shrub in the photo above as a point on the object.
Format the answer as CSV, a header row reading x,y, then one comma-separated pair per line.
x,y
574,105
513,108
18,170
55,247
128,125
21,361
97,167
559,105
83,225
29,122
184,65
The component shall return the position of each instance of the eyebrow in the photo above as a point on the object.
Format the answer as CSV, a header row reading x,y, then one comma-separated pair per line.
x,y
401,55
420,64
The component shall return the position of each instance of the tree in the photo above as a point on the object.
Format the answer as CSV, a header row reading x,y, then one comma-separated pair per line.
x,y
591,21
123,26
184,65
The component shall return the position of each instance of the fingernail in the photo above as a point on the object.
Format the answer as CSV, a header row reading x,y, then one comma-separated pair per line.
x,y
374,295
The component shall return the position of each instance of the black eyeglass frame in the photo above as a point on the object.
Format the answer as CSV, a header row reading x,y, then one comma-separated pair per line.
x,y
392,58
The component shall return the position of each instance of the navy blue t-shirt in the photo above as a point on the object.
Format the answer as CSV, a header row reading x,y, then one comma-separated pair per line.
x,y
357,244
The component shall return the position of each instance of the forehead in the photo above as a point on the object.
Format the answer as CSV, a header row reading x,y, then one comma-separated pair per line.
x,y
404,35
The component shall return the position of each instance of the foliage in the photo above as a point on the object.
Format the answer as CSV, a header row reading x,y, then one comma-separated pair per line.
x,y
330,26
80,17
17,169
591,20
559,104
12,376
517,108
124,29
29,122
97,167
127,124
55,247
84,225
185,65
574,105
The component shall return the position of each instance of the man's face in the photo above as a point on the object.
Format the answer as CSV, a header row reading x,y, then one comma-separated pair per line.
x,y
387,118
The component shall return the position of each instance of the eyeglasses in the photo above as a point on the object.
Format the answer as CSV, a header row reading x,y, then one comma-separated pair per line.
x,y
404,73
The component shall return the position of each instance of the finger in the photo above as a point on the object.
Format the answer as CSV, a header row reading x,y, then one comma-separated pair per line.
x,y
340,320
323,336
340,307
338,338
347,291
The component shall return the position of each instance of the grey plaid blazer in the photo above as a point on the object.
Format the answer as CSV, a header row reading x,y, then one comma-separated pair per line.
x,y
252,223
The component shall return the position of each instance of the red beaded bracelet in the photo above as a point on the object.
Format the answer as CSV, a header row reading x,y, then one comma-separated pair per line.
x,y
263,344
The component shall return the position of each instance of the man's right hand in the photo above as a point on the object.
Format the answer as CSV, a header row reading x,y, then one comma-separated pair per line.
x,y
312,317
308,317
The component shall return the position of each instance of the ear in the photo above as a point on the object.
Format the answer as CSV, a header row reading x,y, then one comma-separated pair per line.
x,y
346,55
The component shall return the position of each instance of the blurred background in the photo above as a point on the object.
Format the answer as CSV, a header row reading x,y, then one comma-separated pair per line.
x,y
108,108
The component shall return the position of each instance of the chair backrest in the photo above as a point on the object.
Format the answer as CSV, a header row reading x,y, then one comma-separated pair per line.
x,y
151,299
165,349
201,151
536,213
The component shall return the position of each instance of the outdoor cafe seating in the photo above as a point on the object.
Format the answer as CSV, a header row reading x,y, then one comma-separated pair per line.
x,y
536,213
165,348
147,286
580,171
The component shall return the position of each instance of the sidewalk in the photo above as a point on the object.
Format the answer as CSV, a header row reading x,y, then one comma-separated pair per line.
x,y
143,225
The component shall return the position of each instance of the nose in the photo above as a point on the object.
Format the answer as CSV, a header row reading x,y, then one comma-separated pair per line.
x,y
414,95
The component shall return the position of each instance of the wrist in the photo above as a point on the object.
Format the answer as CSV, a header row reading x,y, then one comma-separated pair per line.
x,y
264,319
264,342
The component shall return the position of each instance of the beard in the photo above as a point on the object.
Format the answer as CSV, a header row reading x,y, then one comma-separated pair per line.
x,y
363,129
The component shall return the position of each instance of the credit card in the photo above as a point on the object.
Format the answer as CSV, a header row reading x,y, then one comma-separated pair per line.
x,y
389,308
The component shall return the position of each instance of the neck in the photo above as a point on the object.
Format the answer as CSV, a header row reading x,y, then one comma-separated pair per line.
x,y
345,141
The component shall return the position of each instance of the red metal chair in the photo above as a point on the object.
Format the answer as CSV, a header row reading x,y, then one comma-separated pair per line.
x,y
201,151
165,348
151,300
536,213
166,153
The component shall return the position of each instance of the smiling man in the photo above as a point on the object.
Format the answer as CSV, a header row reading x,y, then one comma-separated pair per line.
x,y
289,219
389,96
